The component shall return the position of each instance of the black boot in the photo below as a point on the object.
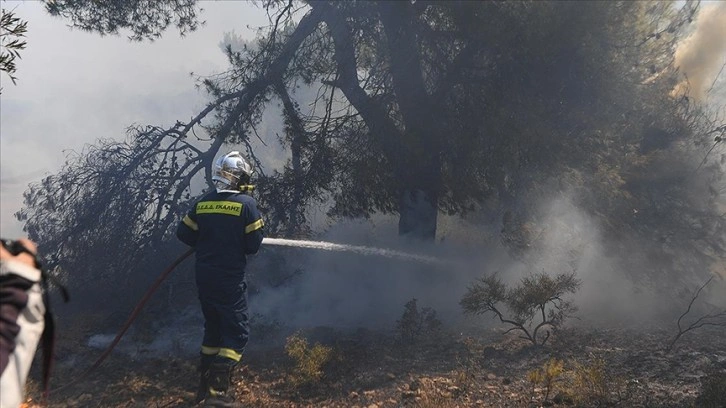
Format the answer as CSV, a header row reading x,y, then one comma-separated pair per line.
x,y
205,362
219,380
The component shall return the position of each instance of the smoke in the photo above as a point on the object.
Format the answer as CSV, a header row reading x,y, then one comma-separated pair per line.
x,y
344,289
572,241
349,290
700,56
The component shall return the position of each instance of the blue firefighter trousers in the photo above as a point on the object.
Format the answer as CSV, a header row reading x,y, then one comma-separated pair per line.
x,y
226,320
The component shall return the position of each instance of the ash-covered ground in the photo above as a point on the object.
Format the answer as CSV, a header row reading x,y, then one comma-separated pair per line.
x,y
470,367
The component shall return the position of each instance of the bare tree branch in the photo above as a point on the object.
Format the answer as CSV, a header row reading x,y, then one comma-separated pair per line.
x,y
709,319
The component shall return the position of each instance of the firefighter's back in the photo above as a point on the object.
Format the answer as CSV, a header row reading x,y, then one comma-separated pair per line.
x,y
221,219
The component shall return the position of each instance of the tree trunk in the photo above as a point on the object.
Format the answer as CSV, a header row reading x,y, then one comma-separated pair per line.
x,y
413,151
418,209
418,215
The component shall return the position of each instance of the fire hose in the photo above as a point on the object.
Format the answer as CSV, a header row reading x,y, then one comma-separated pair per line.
x,y
130,320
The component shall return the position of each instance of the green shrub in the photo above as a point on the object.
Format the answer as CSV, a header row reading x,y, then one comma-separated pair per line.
x,y
538,297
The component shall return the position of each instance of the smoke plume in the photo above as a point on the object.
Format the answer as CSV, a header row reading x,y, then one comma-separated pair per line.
x,y
700,56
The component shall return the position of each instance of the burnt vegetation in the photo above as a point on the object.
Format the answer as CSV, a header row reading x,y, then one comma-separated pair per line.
x,y
421,108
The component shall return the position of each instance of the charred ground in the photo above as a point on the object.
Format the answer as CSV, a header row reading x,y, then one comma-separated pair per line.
x,y
626,367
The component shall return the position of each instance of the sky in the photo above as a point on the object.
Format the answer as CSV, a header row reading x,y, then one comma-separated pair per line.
x,y
76,87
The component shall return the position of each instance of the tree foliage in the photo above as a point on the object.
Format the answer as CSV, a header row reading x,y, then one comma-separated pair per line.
x,y
12,32
145,19
123,196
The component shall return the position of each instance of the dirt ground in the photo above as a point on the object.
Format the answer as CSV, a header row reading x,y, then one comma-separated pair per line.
x,y
599,367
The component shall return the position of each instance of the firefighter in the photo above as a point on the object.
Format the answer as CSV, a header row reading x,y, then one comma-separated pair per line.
x,y
223,227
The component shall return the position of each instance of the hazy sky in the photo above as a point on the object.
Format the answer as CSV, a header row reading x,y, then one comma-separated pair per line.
x,y
75,87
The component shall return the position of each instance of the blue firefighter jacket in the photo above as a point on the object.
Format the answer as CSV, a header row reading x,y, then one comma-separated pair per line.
x,y
223,227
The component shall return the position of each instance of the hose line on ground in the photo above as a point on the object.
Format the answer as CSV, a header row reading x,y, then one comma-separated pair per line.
x,y
131,319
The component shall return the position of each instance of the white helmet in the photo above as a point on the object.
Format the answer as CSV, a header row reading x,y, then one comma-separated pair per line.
x,y
231,171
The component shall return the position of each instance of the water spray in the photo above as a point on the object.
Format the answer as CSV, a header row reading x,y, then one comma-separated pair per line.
x,y
362,250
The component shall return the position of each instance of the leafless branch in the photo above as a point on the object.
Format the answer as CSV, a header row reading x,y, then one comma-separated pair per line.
x,y
709,319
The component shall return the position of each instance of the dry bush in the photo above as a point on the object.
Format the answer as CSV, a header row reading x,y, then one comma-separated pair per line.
x,y
309,361
417,325
546,376
591,385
